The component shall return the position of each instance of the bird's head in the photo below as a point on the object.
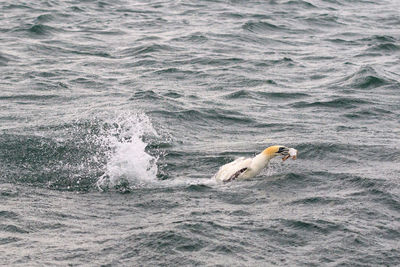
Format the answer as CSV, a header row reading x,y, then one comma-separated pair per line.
x,y
274,151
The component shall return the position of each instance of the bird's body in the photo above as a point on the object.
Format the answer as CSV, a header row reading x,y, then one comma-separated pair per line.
x,y
244,168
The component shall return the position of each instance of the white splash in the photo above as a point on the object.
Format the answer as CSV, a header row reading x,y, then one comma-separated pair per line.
x,y
128,162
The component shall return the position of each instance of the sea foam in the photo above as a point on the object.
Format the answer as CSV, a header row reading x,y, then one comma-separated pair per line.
x,y
128,163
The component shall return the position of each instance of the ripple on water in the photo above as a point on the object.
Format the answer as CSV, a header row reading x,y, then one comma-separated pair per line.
x,y
8,214
273,96
262,26
300,4
8,240
322,227
369,113
143,246
145,50
384,47
41,30
195,38
318,200
215,115
364,78
4,59
44,18
145,95
338,103
11,228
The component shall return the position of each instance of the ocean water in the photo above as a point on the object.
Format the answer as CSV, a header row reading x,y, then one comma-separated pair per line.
x,y
115,115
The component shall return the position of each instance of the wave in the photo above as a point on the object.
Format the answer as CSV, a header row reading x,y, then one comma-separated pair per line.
x,y
68,49
40,30
370,113
4,59
324,20
315,226
146,50
364,78
262,26
196,38
146,95
206,115
28,97
384,47
317,200
337,103
240,94
300,4
44,18
381,44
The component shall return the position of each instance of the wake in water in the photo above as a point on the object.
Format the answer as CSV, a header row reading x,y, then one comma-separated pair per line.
x,y
128,164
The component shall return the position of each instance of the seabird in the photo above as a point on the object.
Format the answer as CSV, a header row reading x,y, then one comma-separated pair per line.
x,y
244,168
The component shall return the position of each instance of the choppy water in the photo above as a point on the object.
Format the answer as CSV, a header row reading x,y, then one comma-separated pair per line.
x,y
114,116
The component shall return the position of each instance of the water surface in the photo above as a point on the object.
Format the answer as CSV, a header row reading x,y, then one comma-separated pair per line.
x,y
114,116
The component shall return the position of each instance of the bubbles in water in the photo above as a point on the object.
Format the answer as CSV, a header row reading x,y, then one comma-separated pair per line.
x,y
129,164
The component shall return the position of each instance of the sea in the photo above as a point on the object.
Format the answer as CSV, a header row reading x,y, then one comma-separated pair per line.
x,y
116,114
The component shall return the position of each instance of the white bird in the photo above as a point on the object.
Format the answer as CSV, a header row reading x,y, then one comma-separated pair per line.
x,y
244,168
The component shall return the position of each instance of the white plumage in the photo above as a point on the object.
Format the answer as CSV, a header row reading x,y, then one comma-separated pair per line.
x,y
244,168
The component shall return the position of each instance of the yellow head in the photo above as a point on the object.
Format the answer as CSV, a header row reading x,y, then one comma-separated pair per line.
x,y
274,151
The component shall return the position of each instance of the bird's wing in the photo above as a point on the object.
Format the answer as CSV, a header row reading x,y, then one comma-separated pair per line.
x,y
235,175
233,168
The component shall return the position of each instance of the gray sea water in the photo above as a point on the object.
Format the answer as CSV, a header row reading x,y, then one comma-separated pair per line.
x,y
115,115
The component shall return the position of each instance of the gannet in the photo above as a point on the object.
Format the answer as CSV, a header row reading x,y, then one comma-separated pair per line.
x,y
244,168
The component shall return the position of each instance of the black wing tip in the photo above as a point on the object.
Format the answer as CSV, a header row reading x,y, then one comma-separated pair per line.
x,y
235,175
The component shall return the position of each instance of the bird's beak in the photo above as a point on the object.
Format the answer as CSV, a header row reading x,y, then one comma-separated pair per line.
x,y
292,153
